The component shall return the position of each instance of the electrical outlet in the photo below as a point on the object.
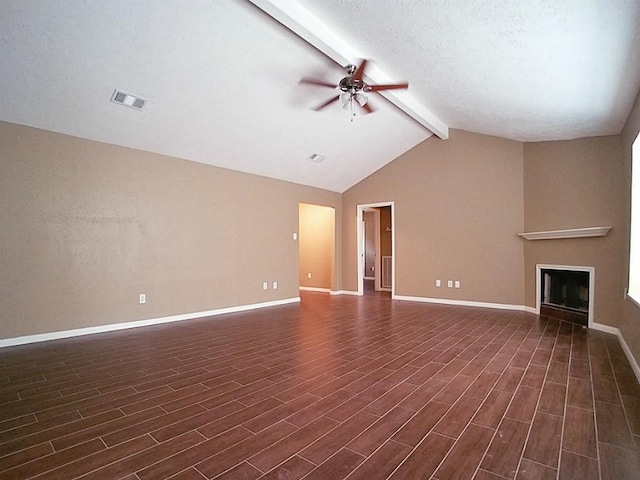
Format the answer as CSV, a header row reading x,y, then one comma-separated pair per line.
x,y
295,236
265,285
275,285
457,284
438,283
142,298
309,275
450,283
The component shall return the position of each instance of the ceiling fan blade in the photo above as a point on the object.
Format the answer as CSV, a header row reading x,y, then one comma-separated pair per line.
x,y
357,75
320,83
368,108
328,102
377,88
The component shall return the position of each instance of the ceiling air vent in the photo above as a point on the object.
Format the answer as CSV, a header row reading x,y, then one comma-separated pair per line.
x,y
316,157
127,100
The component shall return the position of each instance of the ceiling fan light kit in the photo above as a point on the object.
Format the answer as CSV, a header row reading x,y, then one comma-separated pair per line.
x,y
352,87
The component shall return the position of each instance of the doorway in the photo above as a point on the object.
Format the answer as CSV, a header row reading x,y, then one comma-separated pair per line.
x,y
376,247
316,247
371,272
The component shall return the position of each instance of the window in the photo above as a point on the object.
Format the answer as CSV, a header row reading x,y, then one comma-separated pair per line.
x,y
634,257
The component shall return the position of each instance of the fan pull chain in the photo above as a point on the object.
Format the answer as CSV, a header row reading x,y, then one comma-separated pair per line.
x,y
353,110
353,113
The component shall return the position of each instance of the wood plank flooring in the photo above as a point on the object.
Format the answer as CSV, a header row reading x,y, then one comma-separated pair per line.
x,y
332,388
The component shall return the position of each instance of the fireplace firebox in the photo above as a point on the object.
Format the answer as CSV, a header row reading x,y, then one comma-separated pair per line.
x,y
564,294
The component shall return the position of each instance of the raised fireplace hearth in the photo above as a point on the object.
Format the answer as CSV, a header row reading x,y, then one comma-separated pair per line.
x,y
565,293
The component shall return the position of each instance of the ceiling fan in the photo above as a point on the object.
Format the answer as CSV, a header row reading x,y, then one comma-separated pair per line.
x,y
352,87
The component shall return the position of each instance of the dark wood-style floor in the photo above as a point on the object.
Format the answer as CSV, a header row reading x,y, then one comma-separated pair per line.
x,y
333,388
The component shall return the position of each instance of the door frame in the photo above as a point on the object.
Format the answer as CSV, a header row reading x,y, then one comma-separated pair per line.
x,y
360,246
376,246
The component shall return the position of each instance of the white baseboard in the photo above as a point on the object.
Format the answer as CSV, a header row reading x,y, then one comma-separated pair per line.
x,y
601,327
43,337
627,351
523,308
315,289
466,303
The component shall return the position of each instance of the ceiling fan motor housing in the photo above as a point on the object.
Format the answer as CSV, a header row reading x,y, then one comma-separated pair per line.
x,y
350,84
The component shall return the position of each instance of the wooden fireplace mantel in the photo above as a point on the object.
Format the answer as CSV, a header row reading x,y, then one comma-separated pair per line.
x,y
570,233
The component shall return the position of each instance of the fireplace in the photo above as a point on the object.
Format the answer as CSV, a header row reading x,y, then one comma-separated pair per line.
x,y
565,293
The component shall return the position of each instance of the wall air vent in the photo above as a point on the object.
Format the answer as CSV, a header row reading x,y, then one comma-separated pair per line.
x,y
128,100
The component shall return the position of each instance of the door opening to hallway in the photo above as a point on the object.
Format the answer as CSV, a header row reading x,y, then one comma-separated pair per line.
x,y
316,247
376,265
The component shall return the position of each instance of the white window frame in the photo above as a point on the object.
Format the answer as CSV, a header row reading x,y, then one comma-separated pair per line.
x,y
634,240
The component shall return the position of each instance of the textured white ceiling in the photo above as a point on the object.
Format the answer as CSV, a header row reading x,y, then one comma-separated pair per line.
x,y
221,77
522,69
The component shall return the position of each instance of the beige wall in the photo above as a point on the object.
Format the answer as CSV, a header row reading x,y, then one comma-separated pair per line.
x,y
574,184
630,316
458,210
88,226
317,240
369,221
385,232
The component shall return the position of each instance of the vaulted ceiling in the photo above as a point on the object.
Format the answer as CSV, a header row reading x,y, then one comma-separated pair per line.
x,y
221,77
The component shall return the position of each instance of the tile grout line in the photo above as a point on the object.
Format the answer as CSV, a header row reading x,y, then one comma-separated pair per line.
x,y
474,353
564,407
119,459
204,439
524,447
624,408
461,433
511,401
593,400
